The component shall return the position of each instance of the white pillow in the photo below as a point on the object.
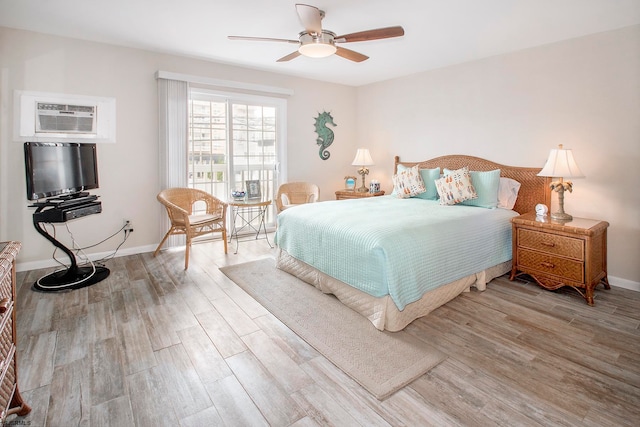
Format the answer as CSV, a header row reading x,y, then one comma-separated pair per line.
x,y
508,193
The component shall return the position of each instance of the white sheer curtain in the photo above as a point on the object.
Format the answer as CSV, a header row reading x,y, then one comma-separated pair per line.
x,y
173,109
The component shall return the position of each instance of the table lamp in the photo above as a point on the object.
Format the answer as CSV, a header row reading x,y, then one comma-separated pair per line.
x,y
362,159
561,164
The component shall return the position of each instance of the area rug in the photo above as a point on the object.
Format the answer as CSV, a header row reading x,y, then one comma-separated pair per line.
x,y
381,362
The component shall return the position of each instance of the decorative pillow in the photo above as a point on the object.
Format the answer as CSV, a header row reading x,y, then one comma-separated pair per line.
x,y
508,193
456,187
401,168
428,177
408,183
486,185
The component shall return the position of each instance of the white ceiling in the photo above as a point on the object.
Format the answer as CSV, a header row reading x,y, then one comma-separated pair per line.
x,y
438,33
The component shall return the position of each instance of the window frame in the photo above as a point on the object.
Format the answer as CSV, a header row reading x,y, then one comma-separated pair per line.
x,y
280,105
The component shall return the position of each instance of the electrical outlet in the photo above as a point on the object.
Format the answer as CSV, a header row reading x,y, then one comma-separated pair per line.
x,y
128,226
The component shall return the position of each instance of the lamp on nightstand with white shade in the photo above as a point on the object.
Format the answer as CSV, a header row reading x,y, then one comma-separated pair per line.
x,y
363,159
561,164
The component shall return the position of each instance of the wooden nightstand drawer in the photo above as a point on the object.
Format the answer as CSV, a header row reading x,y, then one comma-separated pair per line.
x,y
549,264
551,243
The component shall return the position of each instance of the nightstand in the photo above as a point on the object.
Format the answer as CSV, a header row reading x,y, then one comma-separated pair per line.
x,y
560,254
352,194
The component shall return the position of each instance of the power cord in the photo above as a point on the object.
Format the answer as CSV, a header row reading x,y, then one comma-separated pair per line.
x,y
79,251
127,233
101,261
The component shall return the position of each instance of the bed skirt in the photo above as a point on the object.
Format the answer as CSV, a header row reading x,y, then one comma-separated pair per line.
x,y
382,312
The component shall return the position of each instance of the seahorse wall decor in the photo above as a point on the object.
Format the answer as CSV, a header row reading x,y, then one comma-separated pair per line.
x,y
325,135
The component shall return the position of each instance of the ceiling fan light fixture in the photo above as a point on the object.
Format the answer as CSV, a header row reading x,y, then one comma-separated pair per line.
x,y
317,45
317,50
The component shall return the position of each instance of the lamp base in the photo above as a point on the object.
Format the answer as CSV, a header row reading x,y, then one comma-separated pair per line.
x,y
362,171
561,216
560,187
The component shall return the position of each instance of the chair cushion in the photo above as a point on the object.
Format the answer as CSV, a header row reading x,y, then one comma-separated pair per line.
x,y
203,218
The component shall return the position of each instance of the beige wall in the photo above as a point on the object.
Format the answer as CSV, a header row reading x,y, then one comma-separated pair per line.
x,y
129,168
584,93
512,109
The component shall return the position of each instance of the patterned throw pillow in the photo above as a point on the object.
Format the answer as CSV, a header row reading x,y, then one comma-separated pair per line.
x,y
429,177
408,183
456,187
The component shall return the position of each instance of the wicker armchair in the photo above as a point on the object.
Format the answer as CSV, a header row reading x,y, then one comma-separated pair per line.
x,y
296,193
180,203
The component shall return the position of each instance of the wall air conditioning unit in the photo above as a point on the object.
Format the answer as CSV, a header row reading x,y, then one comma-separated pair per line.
x,y
49,117
66,118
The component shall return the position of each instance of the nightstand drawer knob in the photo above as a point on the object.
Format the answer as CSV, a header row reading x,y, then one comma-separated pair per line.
x,y
4,304
548,244
547,264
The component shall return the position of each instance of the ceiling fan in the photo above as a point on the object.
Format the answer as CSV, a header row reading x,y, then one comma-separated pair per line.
x,y
316,42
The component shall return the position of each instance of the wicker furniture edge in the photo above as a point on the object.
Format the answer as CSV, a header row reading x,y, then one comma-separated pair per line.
x,y
534,189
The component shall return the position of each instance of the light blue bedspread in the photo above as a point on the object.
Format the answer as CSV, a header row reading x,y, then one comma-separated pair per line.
x,y
397,247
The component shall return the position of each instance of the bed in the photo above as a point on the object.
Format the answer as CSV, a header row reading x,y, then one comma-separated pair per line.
x,y
378,257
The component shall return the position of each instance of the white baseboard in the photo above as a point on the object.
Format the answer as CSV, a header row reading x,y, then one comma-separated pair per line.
x,y
48,263
624,283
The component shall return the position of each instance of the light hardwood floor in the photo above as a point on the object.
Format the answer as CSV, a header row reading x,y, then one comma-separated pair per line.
x,y
153,345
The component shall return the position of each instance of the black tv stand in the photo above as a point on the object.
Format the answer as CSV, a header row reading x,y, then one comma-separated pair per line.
x,y
73,277
71,196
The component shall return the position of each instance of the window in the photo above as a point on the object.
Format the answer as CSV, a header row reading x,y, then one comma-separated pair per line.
x,y
232,139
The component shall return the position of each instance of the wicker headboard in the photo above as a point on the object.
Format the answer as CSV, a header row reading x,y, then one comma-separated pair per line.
x,y
534,189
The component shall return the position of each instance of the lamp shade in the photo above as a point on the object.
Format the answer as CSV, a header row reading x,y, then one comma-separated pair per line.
x,y
363,158
561,164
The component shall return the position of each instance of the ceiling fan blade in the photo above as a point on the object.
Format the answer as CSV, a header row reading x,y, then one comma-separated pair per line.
x,y
310,17
262,39
351,55
292,55
377,34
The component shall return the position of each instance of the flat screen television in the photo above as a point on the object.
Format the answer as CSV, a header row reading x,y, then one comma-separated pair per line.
x,y
59,168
